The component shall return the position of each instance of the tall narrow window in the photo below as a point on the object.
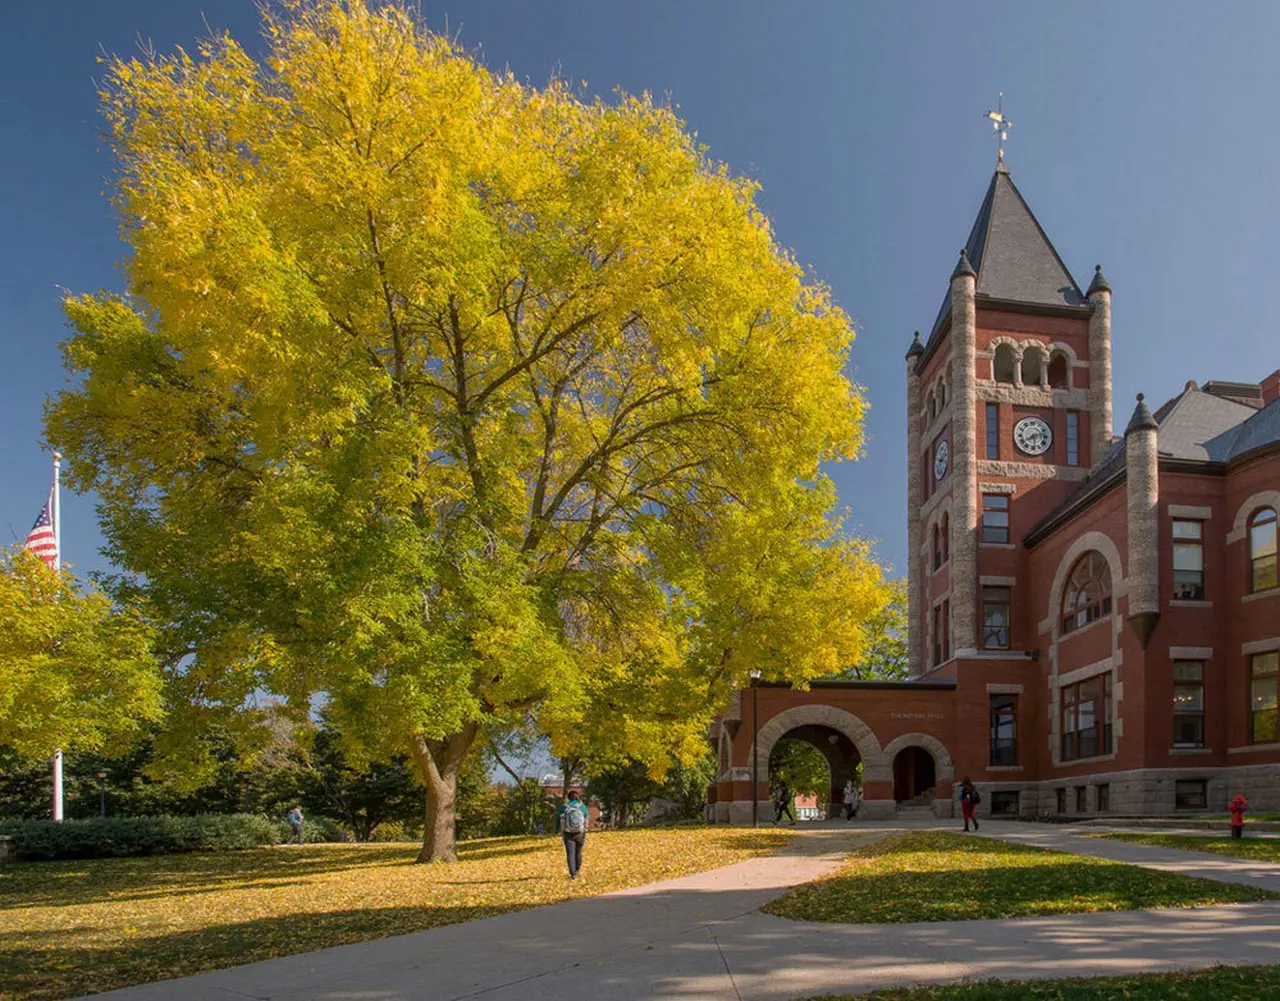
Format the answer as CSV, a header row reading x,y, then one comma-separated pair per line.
x,y
1086,718
1262,550
995,618
1073,438
995,518
1088,593
1188,704
1004,364
937,635
1059,370
1004,729
1262,696
993,430
946,630
1188,560
937,547
944,531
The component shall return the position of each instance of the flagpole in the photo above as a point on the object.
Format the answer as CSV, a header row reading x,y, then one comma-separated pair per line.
x,y
57,565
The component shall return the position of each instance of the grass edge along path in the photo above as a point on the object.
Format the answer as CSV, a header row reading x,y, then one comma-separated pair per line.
x,y
82,926
1246,848
1219,983
944,876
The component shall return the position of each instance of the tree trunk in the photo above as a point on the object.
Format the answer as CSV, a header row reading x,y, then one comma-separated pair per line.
x,y
440,762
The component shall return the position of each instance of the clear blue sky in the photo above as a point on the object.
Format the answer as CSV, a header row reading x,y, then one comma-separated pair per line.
x,y
1145,138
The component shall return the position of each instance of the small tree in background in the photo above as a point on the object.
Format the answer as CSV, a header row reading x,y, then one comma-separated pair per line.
x,y
76,673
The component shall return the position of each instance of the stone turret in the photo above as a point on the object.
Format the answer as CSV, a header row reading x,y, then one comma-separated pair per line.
x,y
915,494
1099,366
964,461
1142,467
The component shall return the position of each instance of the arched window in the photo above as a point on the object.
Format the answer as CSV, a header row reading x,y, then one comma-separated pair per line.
x,y
1262,550
1032,367
1059,370
1003,365
1088,594
942,393
937,547
945,532
933,406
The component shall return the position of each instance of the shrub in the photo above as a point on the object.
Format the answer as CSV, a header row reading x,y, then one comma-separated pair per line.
x,y
107,837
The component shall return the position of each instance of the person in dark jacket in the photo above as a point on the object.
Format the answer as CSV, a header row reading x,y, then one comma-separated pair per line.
x,y
969,800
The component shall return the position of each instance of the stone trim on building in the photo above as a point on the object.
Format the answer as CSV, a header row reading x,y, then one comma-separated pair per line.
x,y
1031,470
1240,525
1189,511
1191,653
1260,646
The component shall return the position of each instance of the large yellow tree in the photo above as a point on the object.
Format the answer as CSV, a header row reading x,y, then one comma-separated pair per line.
x,y
445,402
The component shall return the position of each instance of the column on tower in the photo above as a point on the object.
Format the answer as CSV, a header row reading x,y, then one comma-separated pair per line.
x,y
915,489
1099,367
964,462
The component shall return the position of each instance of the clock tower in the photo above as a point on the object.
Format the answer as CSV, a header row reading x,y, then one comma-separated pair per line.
x,y
1008,407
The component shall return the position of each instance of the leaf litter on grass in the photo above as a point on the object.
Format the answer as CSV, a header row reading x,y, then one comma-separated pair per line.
x,y
70,928
942,876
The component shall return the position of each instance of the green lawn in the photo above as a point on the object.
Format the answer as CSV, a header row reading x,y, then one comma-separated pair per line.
x,y
938,876
70,928
1248,983
1257,849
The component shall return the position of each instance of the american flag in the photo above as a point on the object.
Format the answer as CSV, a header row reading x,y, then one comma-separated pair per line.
x,y
41,540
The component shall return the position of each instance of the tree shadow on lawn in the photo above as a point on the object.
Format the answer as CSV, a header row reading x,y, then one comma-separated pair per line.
x,y
897,896
52,969
85,881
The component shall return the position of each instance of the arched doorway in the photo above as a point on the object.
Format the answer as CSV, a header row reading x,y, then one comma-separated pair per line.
x,y
915,776
834,749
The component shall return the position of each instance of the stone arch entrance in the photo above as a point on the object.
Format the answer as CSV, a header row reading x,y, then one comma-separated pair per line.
x,y
855,743
923,771
842,759
915,776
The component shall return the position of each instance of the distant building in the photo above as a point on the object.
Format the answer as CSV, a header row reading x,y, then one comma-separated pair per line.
x,y
1094,618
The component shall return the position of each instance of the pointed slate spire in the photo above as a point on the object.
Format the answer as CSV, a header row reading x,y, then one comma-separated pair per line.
x,y
916,349
1141,419
963,267
1014,260
1099,283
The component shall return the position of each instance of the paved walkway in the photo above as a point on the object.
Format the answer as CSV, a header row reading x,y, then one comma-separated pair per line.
x,y
702,938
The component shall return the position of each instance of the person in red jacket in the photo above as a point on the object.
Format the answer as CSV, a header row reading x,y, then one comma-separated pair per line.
x,y
1238,807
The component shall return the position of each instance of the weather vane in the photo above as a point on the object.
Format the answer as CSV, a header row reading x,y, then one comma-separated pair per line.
x,y
1001,125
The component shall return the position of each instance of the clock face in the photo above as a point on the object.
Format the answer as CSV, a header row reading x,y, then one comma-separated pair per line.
x,y
1032,435
940,458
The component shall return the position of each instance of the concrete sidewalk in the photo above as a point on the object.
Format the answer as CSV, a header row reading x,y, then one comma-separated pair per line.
x,y
702,938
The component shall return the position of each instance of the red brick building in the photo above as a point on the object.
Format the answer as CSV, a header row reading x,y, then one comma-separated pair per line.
x,y
1094,618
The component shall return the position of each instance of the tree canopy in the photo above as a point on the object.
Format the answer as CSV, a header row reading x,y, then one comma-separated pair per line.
x,y
448,401
76,673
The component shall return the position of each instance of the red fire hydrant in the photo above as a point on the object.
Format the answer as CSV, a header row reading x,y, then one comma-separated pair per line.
x,y
1238,807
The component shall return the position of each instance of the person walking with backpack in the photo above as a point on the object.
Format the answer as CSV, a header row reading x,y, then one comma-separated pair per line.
x,y
295,824
571,822
969,800
782,805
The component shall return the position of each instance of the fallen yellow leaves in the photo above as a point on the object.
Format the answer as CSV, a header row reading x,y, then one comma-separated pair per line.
x,y
938,876
70,928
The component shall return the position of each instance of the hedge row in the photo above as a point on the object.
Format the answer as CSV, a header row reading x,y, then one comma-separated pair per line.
x,y
107,837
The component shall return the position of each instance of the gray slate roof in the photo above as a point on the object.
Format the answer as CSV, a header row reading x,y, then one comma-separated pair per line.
x,y
1205,428
1014,259
1194,426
